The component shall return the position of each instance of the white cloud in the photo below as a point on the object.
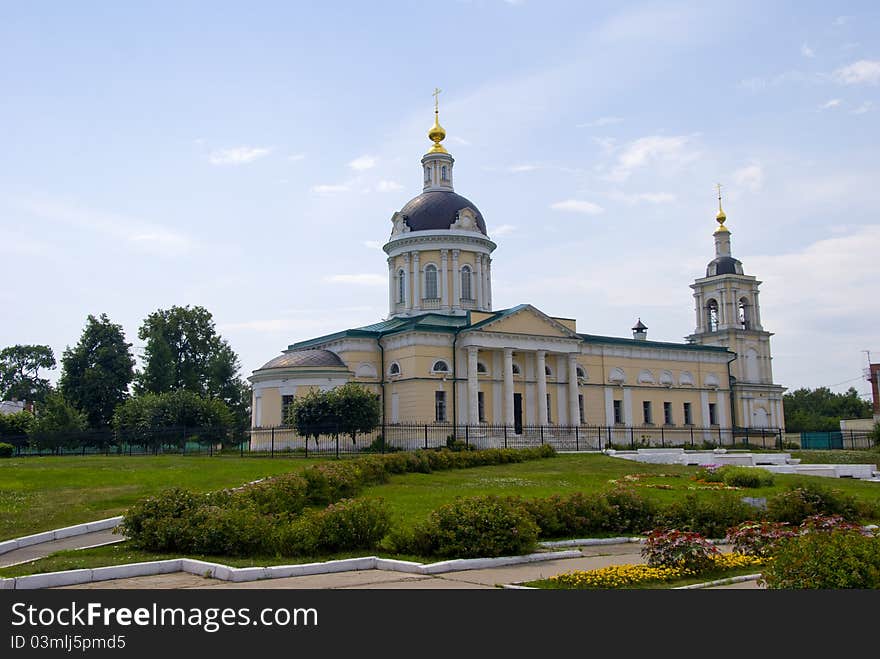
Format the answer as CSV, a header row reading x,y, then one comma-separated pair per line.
x,y
363,163
751,176
388,186
867,106
653,148
363,279
577,206
296,156
864,71
806,51
459,140
503,230
522,168
329,188
647,197
832,103
238,155
601,121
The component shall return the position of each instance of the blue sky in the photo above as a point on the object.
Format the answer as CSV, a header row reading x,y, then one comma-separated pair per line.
x,y
247,157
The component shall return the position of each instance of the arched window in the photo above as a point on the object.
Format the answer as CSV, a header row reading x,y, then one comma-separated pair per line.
x,y
440,367
581,373
712,315
394,369
745,320
427,174
466,283
515,369
547,371
431,282
401,286
443,173
481,368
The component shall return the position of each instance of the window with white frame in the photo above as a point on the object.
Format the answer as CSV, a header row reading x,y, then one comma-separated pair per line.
x,y
394,369
712,315
481,407
431,282
466,293
440,406
440,367
401,286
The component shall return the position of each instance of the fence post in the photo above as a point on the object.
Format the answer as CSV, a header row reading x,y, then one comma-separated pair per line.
x,y
542,435
632,438
662,438
692,436
467,436
272,449
426,435
852,441
505,435
337,446
720,439
577,441
384,437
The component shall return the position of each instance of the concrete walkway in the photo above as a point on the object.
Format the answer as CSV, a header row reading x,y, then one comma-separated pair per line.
x,y
592,557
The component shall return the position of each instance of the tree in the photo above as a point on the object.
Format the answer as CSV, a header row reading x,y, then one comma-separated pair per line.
x,y
96,372
312,415
356,409
20,372
58,424
173,417
184,351
822,409
16,425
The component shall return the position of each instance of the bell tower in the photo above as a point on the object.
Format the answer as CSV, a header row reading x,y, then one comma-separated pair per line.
x,y
728,314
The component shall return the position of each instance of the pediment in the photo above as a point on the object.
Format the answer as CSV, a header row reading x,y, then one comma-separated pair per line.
x,y
527,320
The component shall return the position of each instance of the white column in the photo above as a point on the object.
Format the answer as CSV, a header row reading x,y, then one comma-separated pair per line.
x,y
415,281
698,302
392,280
258,409
456,280
723,319
541,377
473,387
488,283
627,406
508,386
478,276
609,406
704,404
444,278
756,312
407,283
573,407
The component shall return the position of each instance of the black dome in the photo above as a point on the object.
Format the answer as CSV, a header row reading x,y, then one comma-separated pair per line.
x,y
724,265
437,210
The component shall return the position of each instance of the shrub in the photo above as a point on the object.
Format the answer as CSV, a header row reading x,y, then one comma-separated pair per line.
x,y
709,474
344,525
478,526
284,494
163,522
572,515
710,517
6,450
629,512
807,499
237,531
758,538
749,477
828,560
332,481
674,548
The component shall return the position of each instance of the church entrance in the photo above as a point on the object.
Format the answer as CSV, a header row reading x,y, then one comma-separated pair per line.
x,y
517,414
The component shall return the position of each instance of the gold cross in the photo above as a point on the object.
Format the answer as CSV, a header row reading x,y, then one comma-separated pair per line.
x,y
436,94
718,185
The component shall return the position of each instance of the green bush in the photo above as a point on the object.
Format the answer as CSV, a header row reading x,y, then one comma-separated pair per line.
x,y
238,531
710,517
709,474
163,522
825,560
284,494
630,512
477,526
674,548
750,477
346,525
573,515
6,450
806,499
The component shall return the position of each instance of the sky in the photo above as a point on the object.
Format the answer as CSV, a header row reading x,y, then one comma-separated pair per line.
x,y
248,157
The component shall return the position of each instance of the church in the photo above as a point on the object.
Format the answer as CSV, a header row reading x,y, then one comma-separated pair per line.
x,y
445,355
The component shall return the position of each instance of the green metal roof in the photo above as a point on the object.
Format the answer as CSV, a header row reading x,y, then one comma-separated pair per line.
x,y
595,338
426,323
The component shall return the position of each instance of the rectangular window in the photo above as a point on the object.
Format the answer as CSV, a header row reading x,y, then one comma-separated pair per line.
x,y
667,413
286,402
581,408
440,406
713,415
618,411
481,407
688,419
646,412
549,415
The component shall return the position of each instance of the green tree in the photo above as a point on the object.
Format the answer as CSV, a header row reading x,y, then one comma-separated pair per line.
x,y
58,424
184,351
822,409
20,372
15,425
312,415
95,373
356,409
173,417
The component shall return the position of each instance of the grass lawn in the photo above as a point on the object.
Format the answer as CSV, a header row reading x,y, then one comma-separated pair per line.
x,y
856,456
44,493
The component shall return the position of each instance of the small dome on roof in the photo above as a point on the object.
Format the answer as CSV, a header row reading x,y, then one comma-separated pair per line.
x,y
305,359
724,265
438,209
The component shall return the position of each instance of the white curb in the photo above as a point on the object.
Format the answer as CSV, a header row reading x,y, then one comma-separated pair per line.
x,y
59,534
720,582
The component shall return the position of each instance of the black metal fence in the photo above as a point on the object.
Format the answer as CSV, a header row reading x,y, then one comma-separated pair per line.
x,y
329,441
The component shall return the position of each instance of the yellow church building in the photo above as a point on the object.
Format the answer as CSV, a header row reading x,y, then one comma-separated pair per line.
x,y
445,356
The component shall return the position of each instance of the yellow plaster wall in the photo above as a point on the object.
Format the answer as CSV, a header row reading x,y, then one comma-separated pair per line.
x,y
525,322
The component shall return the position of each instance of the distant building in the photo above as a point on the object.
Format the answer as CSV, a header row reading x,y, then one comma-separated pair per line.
x,y
12,406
